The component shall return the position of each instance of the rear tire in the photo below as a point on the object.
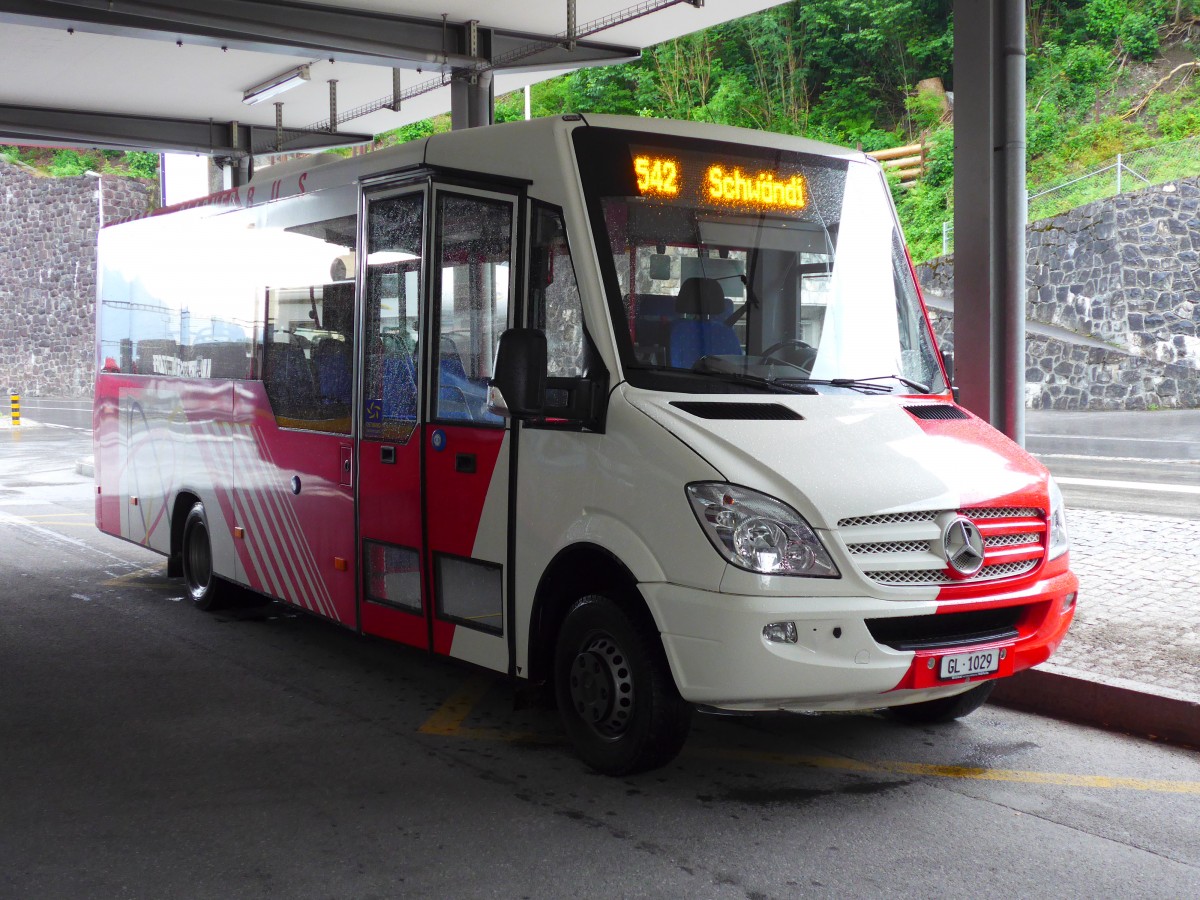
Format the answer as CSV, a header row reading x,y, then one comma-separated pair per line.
x,y
206,590
931,712
616,697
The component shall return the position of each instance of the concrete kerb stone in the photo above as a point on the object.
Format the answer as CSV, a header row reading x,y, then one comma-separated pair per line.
x,y
1103,702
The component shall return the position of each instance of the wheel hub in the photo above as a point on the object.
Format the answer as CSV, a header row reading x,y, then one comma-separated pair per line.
x,y
602,686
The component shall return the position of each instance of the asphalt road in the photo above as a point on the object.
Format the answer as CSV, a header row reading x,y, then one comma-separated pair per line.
x,y
1146,462
151,750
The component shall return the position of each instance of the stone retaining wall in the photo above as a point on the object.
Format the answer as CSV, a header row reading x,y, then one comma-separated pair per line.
x,y
1124,273
48,275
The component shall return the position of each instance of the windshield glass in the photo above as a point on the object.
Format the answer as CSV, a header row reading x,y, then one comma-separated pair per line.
x,y
732,268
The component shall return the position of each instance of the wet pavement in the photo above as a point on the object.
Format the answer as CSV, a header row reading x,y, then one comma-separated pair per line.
x,y
151,750
1138,618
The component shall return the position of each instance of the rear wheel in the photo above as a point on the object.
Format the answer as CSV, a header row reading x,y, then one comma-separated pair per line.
x,y
207,591
615,693
946,709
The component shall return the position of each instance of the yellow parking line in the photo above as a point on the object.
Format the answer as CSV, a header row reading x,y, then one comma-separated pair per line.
x,y
966,773
448,721
122,580
449,717
60,515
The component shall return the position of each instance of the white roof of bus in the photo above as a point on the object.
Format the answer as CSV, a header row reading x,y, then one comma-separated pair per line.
x,y
507,150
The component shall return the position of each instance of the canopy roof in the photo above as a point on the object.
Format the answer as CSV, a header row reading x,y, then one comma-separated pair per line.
x,y
173,74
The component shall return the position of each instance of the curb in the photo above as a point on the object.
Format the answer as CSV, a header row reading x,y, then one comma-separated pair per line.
x,y
86,467
1103,702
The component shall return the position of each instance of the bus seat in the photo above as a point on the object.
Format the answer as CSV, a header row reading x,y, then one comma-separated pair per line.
x,y
399,387
331,359
288,379
702,333
459,396
655,312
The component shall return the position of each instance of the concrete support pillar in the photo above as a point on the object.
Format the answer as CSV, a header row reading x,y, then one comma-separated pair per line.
x,y
990,210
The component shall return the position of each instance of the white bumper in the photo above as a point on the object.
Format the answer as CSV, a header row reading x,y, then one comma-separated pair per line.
x,y
719,657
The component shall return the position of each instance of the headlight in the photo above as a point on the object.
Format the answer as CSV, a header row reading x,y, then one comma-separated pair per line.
x,y
1059,541
757,532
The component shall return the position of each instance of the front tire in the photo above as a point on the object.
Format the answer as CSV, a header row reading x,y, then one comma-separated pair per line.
x,y
932,712
616,697
206,590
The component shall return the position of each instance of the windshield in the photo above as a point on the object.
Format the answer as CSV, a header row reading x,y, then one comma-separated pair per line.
x,y
731,268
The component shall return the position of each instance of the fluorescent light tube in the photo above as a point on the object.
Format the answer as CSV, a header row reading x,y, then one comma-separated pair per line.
x,y
274,86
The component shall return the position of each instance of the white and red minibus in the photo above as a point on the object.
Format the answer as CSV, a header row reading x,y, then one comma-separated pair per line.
x,y
649,412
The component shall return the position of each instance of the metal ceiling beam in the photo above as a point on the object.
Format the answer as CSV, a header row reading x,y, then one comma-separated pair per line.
x,y
67,128
302,29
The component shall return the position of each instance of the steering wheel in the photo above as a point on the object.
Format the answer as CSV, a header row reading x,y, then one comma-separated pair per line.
x,y
782,345
808,355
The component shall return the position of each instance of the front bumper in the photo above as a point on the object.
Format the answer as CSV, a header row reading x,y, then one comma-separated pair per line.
x,y
715,646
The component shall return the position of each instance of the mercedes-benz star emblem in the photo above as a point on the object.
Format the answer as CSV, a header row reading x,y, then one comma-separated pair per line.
x,y
963,545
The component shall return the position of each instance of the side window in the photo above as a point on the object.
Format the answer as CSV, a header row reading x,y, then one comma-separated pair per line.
x,y
475,271
165,309
308,330
554,304
392,311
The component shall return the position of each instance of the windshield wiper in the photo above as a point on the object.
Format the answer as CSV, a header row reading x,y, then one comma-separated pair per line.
x,y
864,385
791,385
915,385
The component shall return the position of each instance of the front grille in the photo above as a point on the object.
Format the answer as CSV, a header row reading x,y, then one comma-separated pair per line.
x,y
905,550
946,630
1002,512
929,576
890,519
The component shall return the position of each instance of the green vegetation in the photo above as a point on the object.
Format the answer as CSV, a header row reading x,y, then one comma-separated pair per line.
x,y
63,163
845,71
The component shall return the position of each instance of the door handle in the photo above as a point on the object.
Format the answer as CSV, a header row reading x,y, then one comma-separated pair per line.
x,y
464,462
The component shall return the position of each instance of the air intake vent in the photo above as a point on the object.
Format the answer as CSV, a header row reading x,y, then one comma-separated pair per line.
x,y
936,411
743,411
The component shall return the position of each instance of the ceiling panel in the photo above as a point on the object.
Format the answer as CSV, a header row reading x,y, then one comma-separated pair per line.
x,y
50,60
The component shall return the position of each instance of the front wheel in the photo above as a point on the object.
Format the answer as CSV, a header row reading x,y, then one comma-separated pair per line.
x,y
207,591
615,693
946,709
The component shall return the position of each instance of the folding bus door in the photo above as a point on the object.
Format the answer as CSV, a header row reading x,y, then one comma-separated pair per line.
x,y
466,447
393,595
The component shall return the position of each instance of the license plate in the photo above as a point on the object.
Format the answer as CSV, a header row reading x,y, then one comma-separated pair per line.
x,y
968,665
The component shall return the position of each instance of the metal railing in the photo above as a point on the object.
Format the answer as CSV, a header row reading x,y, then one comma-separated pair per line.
x,y
1129,171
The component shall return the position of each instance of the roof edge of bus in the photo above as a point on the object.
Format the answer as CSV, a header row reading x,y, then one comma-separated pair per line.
x,y
731,133
307,162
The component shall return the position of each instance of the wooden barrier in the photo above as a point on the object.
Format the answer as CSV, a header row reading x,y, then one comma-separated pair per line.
x,y
908,162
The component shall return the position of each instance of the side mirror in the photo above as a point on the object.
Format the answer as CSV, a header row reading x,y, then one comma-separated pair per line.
x,y
517,389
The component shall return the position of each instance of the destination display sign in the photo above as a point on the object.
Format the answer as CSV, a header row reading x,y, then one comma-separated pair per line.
x,y
709,181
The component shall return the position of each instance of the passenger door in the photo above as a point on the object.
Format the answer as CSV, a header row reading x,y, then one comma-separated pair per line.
x,y
467,449
433,492
393,600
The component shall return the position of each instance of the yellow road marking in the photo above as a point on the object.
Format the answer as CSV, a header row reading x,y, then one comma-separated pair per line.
x,y
59,515
448,721
449,717
122,580
965,773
